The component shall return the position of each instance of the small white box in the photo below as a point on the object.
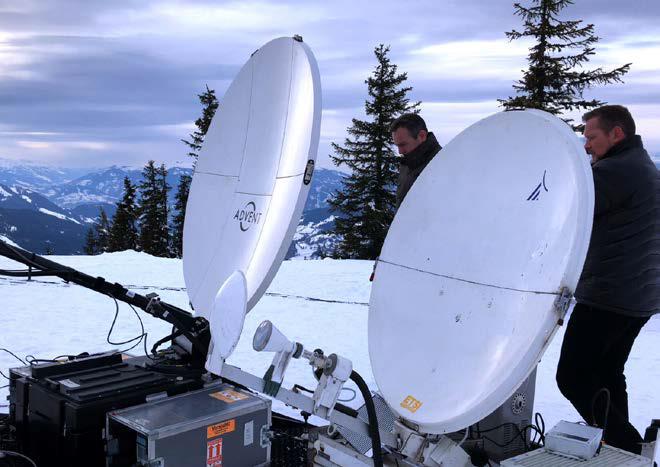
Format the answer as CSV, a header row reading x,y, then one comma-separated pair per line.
x,y
574,439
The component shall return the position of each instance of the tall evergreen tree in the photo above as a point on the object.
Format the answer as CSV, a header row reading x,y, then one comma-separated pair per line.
x,y
365,202
90,247
102,232
555,80
152,221
178,219
123,232
210,105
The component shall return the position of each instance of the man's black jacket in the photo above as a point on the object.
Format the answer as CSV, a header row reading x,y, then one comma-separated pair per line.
x,y
622,269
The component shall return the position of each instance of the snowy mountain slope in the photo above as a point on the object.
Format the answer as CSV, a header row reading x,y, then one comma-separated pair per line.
x,y
16,197
81,198
324,183
89,213
84,195
36,177
42,230
106,186
47,317
35,223
314,238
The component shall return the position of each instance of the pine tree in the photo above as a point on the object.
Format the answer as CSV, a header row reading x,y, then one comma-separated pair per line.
x,y
90,247
365,202
123,232
178,220
210,103
152,221
555,80
102,232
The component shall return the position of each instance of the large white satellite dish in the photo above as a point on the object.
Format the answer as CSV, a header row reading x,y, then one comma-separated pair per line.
x,y
253,173
462,306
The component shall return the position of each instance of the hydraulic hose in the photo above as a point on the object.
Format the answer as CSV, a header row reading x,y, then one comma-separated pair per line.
x,y
377,455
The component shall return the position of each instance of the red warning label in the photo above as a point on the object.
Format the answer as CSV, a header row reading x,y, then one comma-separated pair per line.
x,y
214,453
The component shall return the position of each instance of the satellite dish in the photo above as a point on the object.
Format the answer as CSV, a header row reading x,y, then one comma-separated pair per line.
x,y
462,306
252,177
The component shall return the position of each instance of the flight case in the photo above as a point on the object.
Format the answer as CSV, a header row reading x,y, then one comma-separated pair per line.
x,y
211,427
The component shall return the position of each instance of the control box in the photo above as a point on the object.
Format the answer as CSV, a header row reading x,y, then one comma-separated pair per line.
x,y
574,439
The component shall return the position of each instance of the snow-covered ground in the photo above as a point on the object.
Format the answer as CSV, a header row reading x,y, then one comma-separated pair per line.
x,y
47,317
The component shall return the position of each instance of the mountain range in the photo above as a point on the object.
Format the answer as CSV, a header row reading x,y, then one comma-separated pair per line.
x,y
46,209
49,210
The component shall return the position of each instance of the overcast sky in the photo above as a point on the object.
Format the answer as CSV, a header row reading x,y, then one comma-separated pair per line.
x,y
95,83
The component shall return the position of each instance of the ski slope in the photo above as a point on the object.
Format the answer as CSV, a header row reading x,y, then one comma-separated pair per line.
x,y
322,304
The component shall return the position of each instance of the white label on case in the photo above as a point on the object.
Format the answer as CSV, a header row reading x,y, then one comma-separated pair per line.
x,y
248,433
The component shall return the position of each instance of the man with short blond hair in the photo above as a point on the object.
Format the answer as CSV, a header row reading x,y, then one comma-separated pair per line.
x,y
619,289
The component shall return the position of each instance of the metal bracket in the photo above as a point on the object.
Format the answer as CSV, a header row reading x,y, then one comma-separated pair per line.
x,y
562,302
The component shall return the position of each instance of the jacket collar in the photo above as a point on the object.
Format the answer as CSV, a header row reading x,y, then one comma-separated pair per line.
x,y
422,153
631,142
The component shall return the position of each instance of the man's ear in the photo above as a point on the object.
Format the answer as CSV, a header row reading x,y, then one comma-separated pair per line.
x,y
617,135
422,135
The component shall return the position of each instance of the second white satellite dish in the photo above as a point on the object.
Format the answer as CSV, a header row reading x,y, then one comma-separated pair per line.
x,y
252,177
463,301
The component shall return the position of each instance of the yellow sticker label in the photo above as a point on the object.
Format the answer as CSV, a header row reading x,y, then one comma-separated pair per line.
x,y
220,428
412,404
230,396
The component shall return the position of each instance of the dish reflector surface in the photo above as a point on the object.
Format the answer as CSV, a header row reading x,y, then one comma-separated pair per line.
x,y
462,305
248,192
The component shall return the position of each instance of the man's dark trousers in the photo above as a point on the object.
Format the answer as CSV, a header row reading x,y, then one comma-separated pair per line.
x,y
593,356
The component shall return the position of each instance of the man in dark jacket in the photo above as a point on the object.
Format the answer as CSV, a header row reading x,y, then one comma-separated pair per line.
x,y
417,146
619,289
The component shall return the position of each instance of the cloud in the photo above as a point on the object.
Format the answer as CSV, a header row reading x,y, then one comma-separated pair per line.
x,y
475,59
59,146
126,74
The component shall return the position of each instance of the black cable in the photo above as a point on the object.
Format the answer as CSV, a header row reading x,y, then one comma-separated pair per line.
x,y
519,433
143,334
537,432
5,376
301,388
70,357
502,445
136,339
374,432
35,361
14,355
114,320
146,353
170,337
540,425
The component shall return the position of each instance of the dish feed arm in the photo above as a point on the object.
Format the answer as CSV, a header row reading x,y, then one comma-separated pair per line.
x,y
195,329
